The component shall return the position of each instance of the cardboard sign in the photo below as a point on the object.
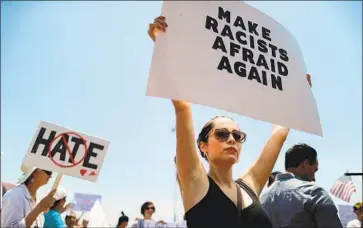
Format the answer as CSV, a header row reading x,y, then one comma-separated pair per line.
x,y
229,55
97,217
84,202
67,152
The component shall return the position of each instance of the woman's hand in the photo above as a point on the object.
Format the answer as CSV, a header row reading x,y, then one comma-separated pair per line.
x,y
47,201
159,25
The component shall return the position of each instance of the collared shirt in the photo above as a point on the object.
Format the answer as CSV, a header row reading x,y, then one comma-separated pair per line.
x,y
53,219
17,203
292,202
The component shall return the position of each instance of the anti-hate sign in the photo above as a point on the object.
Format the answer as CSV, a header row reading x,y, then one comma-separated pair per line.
x,y
230,56
66,151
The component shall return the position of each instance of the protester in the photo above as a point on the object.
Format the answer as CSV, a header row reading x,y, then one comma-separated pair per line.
x,y
20,207
147,210
85,223
358,211
293,200
210,199
68,221
52,218
272,178
122,221
71,220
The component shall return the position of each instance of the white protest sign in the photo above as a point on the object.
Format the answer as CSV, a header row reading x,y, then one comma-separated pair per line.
x,y
229,55
66,151
97,217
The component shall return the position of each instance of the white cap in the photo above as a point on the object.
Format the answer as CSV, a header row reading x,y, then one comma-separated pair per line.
x,y
27,171
61,193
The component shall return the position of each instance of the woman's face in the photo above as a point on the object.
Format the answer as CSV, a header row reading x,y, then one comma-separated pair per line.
x,y
359,214
224,142
149,210
123,225
41,176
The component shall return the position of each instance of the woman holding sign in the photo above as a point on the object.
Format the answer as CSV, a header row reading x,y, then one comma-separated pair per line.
x,y
20,205
214,199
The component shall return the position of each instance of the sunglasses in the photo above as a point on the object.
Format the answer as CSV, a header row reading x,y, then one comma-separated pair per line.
x,y
49,173
222,135
150,208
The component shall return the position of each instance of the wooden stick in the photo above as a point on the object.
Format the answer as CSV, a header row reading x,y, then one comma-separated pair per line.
x,y
57,181
56,184
80,216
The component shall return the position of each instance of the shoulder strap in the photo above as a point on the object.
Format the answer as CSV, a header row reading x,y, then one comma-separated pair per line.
x,y
239,205
249,191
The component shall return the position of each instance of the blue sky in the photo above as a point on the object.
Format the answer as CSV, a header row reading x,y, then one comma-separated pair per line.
x,y
84,65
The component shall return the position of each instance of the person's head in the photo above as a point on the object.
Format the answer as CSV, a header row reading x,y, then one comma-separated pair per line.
x,y
34,176
358,210
60,197
85,223
147,209
67,220
220,141
272,178
302,161
71,219
122,221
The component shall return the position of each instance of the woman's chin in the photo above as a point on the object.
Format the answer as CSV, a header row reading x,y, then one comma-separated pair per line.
x,y
228,160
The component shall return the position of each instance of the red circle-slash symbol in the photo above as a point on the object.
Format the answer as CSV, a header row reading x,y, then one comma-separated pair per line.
x,y
74,163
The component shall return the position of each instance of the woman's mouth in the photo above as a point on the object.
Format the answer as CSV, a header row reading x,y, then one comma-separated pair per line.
x,y
231,150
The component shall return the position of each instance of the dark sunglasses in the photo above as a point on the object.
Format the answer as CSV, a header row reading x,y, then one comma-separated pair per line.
x,y
152,208
49,173
222,135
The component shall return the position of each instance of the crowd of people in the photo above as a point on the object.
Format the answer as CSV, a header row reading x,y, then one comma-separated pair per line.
x,y
211,198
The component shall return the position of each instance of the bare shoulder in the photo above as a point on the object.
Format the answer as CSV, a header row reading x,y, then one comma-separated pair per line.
x,y
194,191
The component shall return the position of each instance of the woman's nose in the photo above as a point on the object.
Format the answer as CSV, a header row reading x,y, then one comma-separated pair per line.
x,y
231,140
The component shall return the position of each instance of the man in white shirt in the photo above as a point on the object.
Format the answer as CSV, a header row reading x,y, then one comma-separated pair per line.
x,y
358,211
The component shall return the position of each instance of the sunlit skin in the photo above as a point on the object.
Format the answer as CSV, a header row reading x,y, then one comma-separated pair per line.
x,y
148,213
123,225
39,178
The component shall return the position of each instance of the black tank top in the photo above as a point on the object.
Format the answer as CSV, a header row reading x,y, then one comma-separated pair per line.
x,y
217,210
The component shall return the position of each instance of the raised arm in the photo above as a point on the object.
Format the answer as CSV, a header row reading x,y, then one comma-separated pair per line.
x,y
188,163
257,175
